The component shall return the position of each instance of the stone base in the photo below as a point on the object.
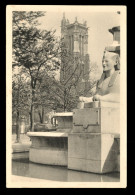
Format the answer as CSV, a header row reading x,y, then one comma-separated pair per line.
x,y
48,156
92,152
92,166
89,152
49,148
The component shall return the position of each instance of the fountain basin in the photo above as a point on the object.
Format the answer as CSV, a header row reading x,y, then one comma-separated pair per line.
x,y
49,148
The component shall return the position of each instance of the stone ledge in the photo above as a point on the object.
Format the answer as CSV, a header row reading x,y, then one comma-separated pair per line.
x,y
47,134
100,104
49,148
63,114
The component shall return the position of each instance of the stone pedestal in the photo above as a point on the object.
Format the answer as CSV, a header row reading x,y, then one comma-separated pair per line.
x,y
92,152
49,148
64,121
102,119
52,147
92,144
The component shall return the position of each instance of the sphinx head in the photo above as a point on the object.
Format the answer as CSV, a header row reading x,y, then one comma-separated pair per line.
x,y
110,61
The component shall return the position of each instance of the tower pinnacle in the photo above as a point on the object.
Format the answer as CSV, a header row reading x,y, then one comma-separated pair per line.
x,y
75,19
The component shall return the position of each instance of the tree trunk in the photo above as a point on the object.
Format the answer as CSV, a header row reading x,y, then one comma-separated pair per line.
x,y
40,117
43,114
64,106
32,109
17,127
32,117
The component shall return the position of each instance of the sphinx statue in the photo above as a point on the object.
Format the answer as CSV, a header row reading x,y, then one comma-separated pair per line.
x,y
108,86
94,142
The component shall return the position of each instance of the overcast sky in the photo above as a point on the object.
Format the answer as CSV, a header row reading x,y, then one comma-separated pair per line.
x,y
98,21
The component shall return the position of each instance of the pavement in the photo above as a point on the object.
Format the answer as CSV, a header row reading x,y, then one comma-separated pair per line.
x,y
14,181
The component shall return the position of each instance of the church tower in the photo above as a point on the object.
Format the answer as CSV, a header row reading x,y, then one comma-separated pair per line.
x,y
75,37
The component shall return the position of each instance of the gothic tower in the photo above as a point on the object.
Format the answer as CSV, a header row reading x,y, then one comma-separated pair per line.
x,y
75,37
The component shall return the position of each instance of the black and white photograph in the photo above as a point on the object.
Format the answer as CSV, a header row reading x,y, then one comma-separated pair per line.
x,y
66,96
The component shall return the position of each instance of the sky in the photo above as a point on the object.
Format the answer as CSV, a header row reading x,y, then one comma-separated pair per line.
x,y
98,21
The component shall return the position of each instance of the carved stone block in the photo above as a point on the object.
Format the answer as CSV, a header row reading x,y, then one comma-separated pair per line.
x,y
93,152
97,120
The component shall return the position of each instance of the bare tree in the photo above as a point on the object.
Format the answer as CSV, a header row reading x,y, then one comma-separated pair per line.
x,y
21,98
63,95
